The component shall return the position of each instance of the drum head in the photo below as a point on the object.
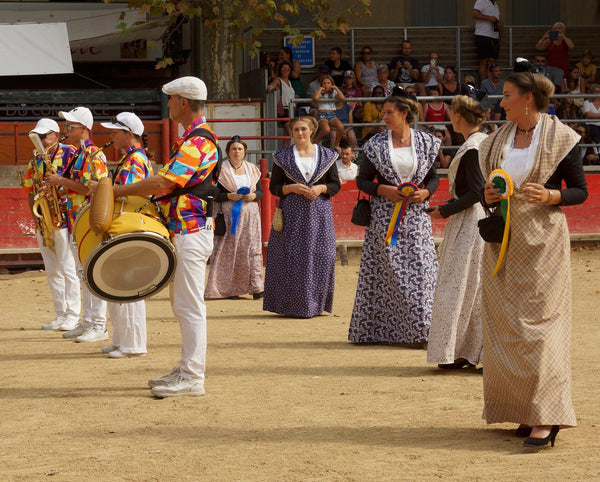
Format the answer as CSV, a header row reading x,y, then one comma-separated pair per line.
x,y
130,267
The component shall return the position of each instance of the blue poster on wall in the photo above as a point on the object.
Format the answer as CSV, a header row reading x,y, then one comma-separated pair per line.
x,y
304,52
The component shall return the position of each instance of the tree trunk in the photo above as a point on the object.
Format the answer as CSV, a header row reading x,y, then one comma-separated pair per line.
x,y
217,61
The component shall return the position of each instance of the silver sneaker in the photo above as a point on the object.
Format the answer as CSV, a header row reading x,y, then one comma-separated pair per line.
x,y
54,324
121,354
109,348
92,334
75,332
69,324
172,377
191,387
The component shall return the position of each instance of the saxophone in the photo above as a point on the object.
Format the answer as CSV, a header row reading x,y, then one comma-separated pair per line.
x,y
47,205
90,156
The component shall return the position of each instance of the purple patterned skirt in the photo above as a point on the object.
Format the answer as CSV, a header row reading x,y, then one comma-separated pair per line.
x,y
396,284
300,272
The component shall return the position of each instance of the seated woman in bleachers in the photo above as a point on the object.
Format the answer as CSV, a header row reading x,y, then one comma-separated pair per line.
x,y
326,113
366,70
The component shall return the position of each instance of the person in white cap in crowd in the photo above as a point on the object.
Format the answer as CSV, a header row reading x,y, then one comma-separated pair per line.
x,y
194,157
86,164
59,262
128,319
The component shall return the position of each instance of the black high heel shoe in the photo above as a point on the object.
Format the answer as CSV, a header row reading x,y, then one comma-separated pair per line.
x,y
542,442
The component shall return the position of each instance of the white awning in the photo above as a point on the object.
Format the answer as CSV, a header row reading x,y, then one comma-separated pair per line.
x,y
35,49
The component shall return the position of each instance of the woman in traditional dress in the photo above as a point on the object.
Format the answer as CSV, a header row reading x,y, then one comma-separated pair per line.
x,y
236,261
128,319
455,335
299,278
526,306
397,274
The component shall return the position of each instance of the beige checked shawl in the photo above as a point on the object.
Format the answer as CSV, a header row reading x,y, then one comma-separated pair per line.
x,y
526,307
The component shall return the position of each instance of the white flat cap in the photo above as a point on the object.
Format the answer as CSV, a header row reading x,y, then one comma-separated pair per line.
x,y
187,87
126,121
45,125
80,115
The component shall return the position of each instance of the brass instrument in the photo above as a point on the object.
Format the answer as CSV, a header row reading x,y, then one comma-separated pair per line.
x,y
47,205
91,155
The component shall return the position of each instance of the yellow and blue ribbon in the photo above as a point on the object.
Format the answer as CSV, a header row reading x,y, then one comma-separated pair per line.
x,y
237,208
504,183
407,189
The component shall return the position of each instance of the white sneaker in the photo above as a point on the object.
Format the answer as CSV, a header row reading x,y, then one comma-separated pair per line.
x,y
92,334
121,354
109,348
172,377
191,387
54,324
69,324
75,332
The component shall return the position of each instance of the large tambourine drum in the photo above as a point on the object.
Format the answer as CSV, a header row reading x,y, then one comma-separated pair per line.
x,y
133,259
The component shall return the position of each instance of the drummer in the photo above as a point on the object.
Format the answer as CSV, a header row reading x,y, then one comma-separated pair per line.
x,y
193,158
128,319
84,165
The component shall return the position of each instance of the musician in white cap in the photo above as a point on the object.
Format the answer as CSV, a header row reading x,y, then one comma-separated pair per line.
x,y
87,164
128,319
59,263
186,178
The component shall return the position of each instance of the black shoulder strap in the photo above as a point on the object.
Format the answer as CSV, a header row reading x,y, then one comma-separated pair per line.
x,y
208,186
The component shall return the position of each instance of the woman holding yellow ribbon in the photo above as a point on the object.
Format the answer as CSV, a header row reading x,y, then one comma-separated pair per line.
x,y
398,268
526,305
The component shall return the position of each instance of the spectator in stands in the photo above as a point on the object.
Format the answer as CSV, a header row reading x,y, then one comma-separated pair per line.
x,y
337,66
435,110
315,85
555,74
590,155
373,112
575,84
487,34
344,112
326,114
569,110
285,55
587,69
449,85
347,170
366,70
442,159
383,80
558,45
591,110
432,73
350,89
283,83
405,69
493,85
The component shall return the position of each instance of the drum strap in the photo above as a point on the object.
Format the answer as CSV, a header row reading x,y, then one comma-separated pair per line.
x,y
206,188
114,172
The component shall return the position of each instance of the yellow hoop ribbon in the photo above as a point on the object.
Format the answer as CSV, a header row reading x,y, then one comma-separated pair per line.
x,y
407,189
503,182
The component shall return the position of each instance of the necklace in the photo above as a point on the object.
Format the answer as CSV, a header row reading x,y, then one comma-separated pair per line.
x,y
235,168
526,131
402,139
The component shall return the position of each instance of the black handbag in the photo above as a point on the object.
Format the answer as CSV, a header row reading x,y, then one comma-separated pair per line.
x,y
361,214
220,226
491,228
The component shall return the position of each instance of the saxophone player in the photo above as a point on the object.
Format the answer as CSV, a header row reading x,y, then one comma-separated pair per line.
x,y
59,262
86,165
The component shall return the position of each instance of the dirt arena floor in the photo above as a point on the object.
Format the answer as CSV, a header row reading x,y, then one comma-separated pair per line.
x,y
286,399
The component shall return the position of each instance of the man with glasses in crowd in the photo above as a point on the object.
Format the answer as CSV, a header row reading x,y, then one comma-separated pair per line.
x,y
86,165
553,73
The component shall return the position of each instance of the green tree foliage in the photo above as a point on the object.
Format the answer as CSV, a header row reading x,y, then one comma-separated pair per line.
x,y
226,22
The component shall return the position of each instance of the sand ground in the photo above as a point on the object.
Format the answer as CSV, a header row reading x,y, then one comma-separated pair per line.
x,y
286,400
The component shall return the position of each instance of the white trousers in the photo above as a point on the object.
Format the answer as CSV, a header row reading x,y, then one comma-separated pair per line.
x,y
193,251
129,326
61,271
94,308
